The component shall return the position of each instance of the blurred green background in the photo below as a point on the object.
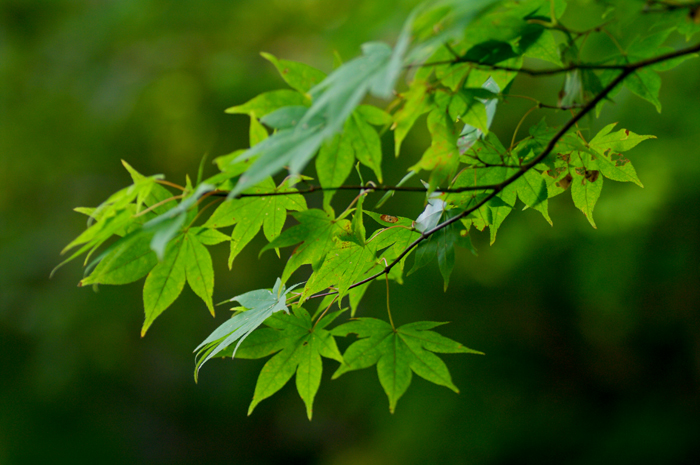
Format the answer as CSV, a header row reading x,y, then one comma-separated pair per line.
x,y
592,336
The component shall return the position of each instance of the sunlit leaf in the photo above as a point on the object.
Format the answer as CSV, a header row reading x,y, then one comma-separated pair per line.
x,y
585,191
164,283
199,269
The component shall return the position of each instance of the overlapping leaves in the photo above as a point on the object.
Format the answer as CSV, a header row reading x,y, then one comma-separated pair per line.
x,y
144,230
259,305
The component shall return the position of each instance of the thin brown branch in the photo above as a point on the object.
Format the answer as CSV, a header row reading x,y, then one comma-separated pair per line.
x,y
314,188
566,69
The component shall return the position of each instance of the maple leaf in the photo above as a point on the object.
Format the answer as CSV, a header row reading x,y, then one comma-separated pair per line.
x,y
298,345
260,305
398,353
252,213
316,232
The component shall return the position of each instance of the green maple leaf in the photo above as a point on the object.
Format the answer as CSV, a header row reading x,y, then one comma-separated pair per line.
x,y
398,353
261,304
119,214
315,234
127,260
344,265
301,346
417,101
393,240
299,76
268,102
608,146
585,191
186,260
249,214
164,283
298,344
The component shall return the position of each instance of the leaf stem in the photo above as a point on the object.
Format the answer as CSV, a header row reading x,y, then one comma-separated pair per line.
x,y
324,312
520,123
156,205
171,184
388,307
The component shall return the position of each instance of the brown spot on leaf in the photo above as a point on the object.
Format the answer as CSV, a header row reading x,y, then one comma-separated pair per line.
x,y
592,175
619,159
389,218
565,182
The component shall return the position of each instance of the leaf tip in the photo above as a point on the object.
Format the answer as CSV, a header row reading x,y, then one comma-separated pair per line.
x,y
252,406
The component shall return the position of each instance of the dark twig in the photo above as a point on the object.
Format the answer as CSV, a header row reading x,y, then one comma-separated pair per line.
x,y
566,69
626,71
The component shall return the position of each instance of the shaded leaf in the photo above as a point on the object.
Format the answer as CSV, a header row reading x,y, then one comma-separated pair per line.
x,y
397,353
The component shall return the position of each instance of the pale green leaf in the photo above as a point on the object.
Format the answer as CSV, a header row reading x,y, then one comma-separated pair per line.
x,y
585,190
209,236
268,102
257,132
309,371
199,269
164,283
366,143
334,164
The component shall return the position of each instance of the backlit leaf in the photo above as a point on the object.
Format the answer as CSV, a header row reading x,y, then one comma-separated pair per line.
x,y
199,269
164,283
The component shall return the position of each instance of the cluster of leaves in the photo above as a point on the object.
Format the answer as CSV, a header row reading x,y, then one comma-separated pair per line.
x,y
460,58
